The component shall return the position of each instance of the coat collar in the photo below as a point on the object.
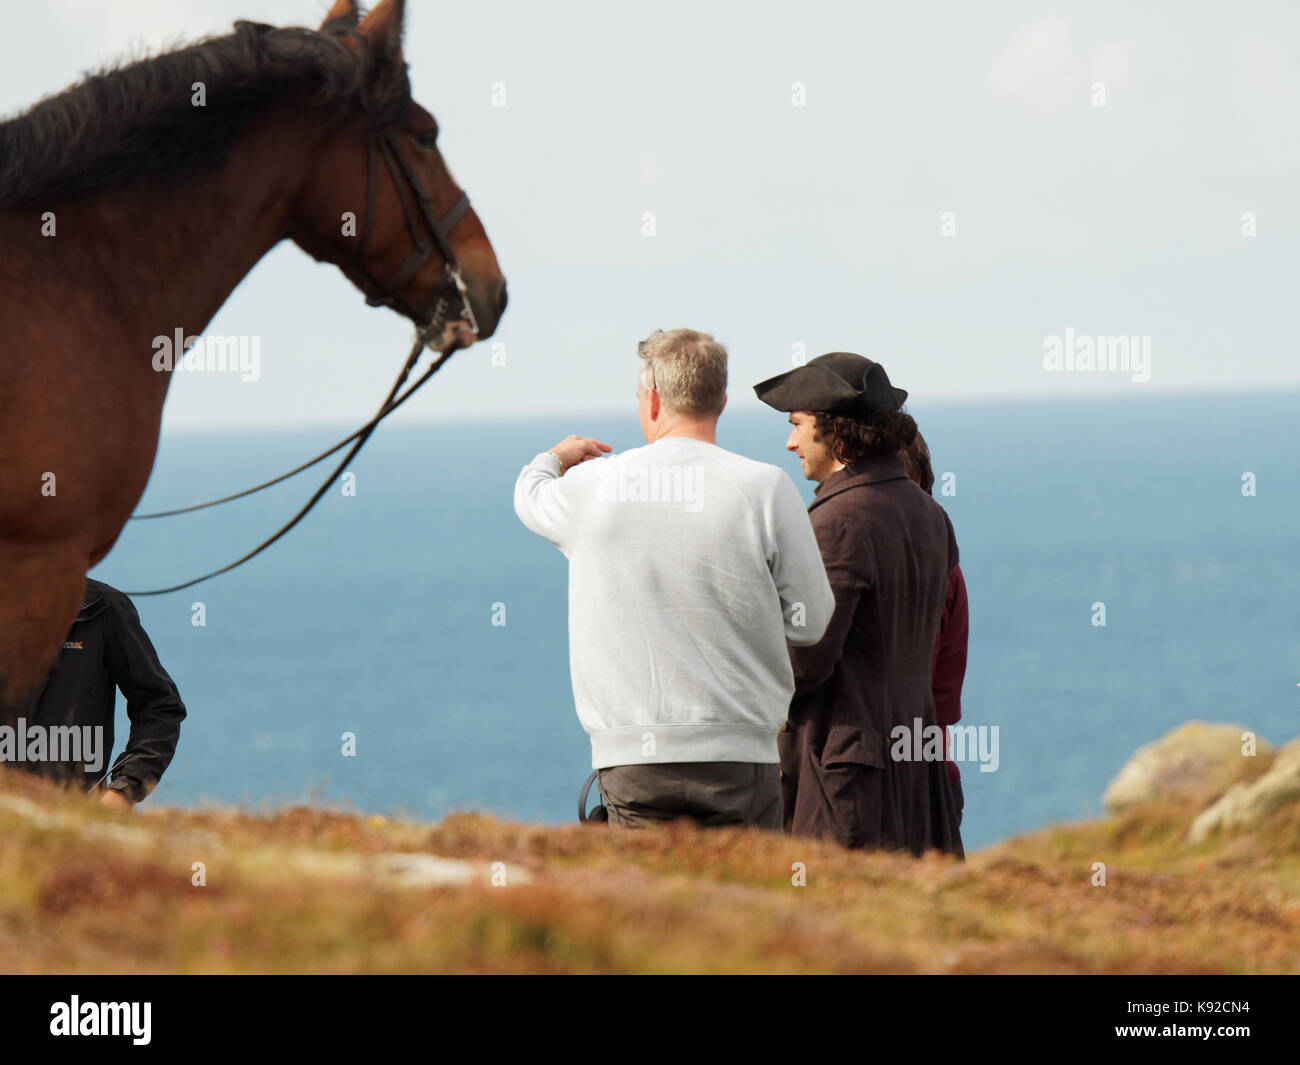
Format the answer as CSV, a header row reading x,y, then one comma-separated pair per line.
x,y
870,469
93,602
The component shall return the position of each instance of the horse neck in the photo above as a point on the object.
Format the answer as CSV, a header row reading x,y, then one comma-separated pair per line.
x,y
166,259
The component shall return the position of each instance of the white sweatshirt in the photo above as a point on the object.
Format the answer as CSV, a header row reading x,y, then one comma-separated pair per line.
x,y
689,568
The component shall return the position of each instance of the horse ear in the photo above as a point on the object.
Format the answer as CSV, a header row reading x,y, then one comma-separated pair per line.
x,y
383,26
342,9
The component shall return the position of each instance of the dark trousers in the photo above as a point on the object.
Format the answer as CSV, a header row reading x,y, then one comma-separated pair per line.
x,y
713,794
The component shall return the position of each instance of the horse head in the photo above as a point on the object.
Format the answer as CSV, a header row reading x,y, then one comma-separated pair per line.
x,y
380,201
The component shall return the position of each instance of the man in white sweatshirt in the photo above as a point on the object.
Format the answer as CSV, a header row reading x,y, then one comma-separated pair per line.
x,y
689,569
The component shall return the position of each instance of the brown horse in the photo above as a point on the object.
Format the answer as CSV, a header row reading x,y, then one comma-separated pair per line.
x,y
132,204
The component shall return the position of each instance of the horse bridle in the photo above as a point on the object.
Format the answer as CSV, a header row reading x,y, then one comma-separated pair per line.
x,y
407,181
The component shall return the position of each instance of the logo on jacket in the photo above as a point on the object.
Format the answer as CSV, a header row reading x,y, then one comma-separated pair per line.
x,y
73,645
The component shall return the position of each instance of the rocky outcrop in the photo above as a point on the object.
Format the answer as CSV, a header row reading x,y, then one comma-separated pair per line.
x,y
1194,759
1245,805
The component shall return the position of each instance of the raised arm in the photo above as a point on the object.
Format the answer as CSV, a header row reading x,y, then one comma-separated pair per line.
x,y
541,500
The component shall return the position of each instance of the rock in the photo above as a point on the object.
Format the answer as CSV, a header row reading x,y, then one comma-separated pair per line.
x,y
1189,761
1247,805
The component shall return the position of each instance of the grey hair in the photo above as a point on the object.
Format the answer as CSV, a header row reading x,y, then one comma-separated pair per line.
x,y
688,369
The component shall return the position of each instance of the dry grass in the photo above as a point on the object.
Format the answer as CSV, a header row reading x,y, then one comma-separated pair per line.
x,y
308,890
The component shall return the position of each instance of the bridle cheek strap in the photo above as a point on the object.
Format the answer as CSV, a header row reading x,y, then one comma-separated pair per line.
x,y
433,235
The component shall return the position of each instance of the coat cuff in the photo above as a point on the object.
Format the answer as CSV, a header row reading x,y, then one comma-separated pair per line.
x,y
129,787
544,460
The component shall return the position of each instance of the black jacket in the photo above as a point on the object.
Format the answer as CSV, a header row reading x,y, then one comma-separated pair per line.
x,y
107,649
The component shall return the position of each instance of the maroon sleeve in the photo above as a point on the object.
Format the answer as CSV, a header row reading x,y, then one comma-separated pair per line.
x,y
949,662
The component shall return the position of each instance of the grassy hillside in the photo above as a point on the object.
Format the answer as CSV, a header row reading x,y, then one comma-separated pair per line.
x,y
308,890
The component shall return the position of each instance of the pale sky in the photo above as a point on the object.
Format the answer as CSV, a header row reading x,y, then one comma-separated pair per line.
x,y
784,228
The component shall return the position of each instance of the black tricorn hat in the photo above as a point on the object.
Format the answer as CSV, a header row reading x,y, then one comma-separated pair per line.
x,y
839,382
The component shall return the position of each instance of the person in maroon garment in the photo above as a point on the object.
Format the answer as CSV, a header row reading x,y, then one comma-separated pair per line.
x,y
948,668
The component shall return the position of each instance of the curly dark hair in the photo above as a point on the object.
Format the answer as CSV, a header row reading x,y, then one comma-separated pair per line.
x,y
851,438
917,458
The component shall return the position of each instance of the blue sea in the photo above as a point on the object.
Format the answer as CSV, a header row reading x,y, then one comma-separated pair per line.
x,y
375,616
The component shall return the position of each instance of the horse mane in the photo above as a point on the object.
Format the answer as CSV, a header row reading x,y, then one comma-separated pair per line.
x,y
135,119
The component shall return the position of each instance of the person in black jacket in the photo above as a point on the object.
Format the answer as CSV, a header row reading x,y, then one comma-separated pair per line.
x,y
108,649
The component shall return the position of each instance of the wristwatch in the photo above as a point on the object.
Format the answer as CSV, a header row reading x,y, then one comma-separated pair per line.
x,y
557,459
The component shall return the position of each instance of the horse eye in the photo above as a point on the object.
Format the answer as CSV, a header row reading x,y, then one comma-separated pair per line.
x,y
427,138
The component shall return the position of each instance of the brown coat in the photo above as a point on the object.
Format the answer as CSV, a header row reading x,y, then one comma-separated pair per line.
x,y
888,548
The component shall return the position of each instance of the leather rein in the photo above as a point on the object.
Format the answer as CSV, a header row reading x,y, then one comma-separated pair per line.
x,y
433,236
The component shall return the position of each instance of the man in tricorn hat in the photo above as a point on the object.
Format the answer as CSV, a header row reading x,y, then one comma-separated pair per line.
x,y
859,758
